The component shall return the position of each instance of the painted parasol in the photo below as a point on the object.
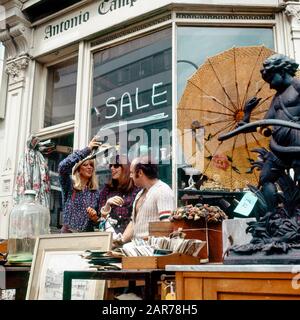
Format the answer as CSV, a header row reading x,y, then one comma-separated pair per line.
x,y
214,97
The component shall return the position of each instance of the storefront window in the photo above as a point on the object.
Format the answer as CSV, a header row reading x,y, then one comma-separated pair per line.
x,y
63,147
61,93
212,95
132,99
209,41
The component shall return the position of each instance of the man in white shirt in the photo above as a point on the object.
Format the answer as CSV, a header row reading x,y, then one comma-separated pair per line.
x,y
154,201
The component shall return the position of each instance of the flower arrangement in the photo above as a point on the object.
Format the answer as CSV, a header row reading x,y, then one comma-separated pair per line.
x,y
197,212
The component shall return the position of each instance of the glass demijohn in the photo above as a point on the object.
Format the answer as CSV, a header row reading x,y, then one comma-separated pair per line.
x,y
27,221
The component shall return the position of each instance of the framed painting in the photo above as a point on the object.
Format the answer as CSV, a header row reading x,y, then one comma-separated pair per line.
x,y
56,253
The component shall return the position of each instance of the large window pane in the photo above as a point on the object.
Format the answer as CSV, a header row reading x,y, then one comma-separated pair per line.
x,y
194,46
63,147
132,90
209,41
61,93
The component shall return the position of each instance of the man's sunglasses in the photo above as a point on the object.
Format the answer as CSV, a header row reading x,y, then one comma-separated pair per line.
x,y
116,166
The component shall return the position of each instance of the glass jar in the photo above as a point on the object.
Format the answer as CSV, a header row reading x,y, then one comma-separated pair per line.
x,y
27,221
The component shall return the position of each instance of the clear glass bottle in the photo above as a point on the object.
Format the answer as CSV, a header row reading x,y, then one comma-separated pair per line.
x,y
27,221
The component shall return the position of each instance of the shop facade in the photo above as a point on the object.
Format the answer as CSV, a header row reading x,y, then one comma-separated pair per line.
x,y
117,69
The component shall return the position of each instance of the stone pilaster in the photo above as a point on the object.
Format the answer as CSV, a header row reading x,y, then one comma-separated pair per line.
x,y
16,37
292,11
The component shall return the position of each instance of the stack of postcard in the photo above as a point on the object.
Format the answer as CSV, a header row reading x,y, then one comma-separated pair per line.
x,y
162,245
102,260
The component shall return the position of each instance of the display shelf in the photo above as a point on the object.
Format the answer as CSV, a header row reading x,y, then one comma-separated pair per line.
x,y
212,193
226,200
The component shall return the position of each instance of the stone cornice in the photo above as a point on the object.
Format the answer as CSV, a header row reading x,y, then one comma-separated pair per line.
x,y
10,46
16,36
12,3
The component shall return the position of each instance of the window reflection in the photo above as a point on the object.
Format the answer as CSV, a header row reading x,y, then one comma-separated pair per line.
x,y
208,42
63,147
61,93
132,83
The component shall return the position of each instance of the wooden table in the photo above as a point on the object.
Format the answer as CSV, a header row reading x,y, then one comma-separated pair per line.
x,y
232,282
15,277
150,276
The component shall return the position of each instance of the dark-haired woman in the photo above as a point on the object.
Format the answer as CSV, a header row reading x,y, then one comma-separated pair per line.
x,y
117,196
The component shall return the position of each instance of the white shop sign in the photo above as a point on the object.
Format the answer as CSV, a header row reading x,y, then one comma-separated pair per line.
x,y
102,14
88,20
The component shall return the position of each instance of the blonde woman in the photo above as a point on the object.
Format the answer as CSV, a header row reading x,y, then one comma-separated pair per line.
x,y
80,192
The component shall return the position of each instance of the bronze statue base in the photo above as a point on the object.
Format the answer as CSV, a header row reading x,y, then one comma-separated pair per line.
x,y
291,257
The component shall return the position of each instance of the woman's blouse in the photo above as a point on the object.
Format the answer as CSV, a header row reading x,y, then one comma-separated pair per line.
x,y
75,202
121,214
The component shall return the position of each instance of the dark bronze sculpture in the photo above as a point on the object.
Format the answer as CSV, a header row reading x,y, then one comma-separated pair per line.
x,y
278,227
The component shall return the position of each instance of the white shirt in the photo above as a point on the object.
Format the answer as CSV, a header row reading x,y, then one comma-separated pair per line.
x,y
159,198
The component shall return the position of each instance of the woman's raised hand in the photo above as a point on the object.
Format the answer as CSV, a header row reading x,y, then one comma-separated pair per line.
x,y
94,143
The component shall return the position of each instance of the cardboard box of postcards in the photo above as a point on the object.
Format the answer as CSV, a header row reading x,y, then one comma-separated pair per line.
x,y
203,222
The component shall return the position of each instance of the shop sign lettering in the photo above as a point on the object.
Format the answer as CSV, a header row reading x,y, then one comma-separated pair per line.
x,y
105,7
128,103
53,30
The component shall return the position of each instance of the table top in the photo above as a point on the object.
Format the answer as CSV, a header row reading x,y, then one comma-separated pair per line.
x,y
234,268
115,272
12,267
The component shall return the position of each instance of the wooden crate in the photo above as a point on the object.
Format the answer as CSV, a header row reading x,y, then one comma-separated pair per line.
x,y
158,262
209,232
160,228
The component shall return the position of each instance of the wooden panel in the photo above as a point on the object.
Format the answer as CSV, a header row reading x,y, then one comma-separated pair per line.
x,y
176,258
158,262
193,289
139,262
214,289
235,285
122,283
160,228
179,286
255,296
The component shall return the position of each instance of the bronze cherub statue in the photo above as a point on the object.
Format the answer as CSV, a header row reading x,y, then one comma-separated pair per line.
x,y
278,226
